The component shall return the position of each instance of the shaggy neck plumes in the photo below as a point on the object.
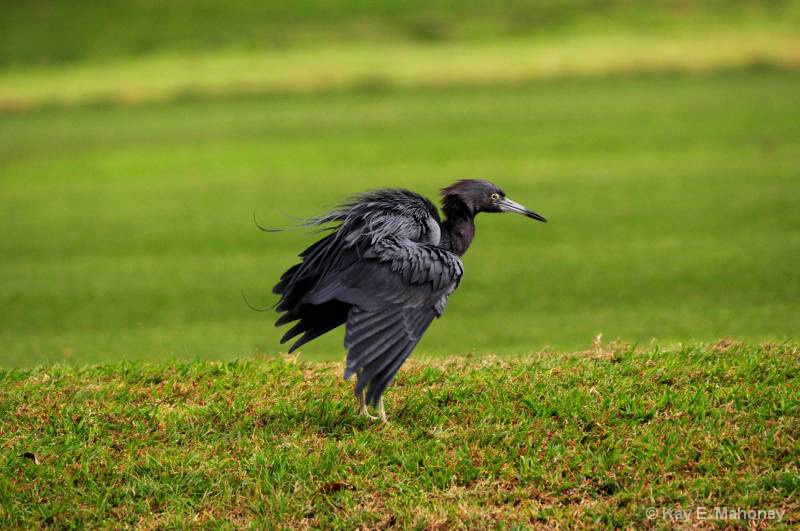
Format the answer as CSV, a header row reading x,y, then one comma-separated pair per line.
x,y
458,228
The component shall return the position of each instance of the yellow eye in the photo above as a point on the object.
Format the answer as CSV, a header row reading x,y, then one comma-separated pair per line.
x,y
495,197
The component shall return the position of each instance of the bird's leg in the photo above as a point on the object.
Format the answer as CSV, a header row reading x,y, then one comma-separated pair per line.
x,y
362,400
382,412
362,406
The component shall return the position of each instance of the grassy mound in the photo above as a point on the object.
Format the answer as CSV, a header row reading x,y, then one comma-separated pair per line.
x,y
586,438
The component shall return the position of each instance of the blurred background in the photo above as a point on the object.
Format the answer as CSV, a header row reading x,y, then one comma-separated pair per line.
x,y
138,138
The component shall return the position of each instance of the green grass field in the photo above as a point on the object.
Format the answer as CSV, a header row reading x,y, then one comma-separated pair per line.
x,y
46,32
138,139
591,439
128,231
167,76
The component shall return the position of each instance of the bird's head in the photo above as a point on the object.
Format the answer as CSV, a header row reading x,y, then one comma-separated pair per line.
x,y
474,196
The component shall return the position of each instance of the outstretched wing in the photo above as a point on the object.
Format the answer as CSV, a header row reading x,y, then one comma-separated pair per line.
x,y
358,225
379,342
382,273
396,289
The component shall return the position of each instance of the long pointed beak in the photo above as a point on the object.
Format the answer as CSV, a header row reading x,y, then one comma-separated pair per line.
x,y
507,205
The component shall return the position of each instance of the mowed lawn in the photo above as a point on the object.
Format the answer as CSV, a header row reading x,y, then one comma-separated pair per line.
x,y
127,232
597,439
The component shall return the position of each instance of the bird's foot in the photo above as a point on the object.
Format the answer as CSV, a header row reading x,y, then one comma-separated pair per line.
x,y
362,407
365,413
382,412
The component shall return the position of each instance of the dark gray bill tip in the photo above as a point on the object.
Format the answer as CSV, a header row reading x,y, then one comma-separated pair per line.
x,y
538,217
507,205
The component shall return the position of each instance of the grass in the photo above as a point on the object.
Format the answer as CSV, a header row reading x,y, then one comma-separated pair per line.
x,y
382,66
661,140
591,438
128,231
45,32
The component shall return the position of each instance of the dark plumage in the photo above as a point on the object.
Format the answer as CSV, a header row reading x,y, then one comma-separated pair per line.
x,y
385,271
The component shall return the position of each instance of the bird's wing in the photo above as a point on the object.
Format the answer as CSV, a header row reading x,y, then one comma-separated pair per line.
x,y
372,216
378,343
360,224
396,288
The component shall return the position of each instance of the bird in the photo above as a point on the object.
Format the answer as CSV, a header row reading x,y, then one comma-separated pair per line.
x,y
385,270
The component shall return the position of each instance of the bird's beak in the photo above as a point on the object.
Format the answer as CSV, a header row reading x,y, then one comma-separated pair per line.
x,y
507,205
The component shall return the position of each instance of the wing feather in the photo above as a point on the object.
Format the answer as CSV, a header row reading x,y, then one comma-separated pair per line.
x,y
383,373
382,273
396,293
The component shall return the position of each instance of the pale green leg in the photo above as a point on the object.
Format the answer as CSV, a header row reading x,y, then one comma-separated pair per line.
x,y
382,412
362,406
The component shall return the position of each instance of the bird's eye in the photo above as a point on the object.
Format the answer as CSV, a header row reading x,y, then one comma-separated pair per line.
x,y
495,196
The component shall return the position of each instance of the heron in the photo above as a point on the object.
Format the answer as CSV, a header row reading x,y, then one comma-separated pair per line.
x,y
385,270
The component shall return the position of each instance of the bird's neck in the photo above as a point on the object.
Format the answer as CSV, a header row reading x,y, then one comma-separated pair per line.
x,y
458,228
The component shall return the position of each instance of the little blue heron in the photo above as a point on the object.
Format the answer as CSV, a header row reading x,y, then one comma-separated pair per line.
x,y
385,270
